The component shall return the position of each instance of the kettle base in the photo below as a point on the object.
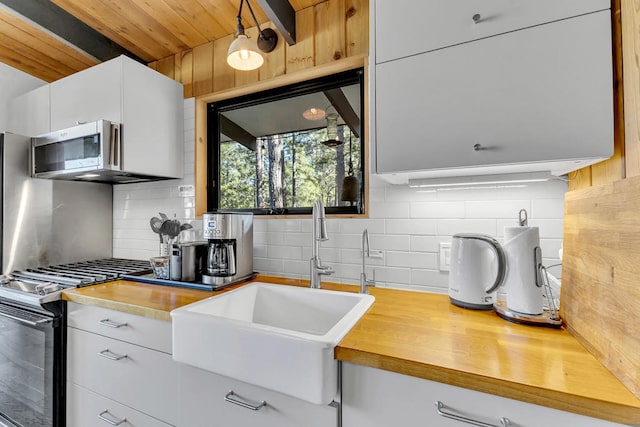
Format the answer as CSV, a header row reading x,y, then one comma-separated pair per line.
x,y
469,305
543,319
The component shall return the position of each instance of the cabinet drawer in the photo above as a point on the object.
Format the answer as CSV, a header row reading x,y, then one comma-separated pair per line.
x,y
136,376
202,394
376,398
85,407
151,333
524,97
408,27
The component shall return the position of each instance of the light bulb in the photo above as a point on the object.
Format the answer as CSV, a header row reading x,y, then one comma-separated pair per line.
x,y
244,54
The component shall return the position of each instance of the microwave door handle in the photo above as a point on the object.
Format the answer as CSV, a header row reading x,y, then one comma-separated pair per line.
x,y
114,152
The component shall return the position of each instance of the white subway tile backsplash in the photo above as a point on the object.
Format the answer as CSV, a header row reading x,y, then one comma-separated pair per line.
x,y
428,243
496,208
411,226
434,278
285,252
374,226
406,224
412,259
389,210
546,208
437,210
389,242
449,227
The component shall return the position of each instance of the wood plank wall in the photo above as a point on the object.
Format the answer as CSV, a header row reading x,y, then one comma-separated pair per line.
x,y
330,37
625,161
326,32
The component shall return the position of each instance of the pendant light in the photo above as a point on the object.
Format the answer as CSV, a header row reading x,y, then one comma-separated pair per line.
x,y
350,183
244,53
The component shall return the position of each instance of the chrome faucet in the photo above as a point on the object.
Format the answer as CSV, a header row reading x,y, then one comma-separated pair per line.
x,y
319,234
364,282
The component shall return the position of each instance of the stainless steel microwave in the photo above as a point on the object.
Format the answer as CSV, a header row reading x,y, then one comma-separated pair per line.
x,y
83,151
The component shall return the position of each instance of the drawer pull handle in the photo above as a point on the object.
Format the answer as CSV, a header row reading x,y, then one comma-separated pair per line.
x,y
229,399
440,409
109,323
112,356
476,18
114,422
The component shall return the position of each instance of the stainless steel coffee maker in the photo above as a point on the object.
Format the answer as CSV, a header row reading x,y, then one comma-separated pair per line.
x,y
230,251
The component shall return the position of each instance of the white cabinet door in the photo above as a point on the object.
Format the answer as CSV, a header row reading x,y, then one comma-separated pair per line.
x,y
86,408
152,120
29,113
89,95
535,95
144,379
407,27
376,398
202,404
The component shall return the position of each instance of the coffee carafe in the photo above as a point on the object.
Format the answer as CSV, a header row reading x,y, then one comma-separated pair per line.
x,y
230,247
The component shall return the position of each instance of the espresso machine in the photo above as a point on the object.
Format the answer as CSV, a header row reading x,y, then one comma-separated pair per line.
x,y
230,248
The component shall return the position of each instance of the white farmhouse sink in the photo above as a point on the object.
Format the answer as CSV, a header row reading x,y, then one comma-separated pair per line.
x,y
274,336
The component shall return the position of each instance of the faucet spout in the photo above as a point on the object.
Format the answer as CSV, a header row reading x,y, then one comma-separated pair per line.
x,y
366,252
318,234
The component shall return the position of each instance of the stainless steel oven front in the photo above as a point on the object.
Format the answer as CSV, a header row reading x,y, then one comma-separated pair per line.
x,y
32,366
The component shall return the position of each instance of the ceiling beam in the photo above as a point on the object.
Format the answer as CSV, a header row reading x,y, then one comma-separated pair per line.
x,y
237,133
344,108
66,26
283,16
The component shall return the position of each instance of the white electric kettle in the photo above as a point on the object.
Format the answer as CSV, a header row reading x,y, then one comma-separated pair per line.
x,y
477,269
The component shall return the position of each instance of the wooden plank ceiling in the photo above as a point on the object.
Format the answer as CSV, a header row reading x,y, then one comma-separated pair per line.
x,y
151,30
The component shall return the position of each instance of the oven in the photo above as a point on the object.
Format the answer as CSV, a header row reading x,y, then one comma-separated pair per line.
x,y
33,337
32,365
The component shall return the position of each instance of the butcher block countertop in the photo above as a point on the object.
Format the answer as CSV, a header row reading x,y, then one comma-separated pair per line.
x,y
423,335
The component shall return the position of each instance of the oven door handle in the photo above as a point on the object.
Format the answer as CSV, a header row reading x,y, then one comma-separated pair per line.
x,y
24,321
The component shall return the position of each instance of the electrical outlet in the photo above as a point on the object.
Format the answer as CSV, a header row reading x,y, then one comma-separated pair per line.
x,y
445,256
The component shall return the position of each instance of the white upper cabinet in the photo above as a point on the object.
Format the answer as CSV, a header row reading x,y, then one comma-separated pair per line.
x,y
408,27
479,98
29,112
148,104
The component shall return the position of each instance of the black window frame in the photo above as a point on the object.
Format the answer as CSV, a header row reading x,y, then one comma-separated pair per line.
x,y
354,76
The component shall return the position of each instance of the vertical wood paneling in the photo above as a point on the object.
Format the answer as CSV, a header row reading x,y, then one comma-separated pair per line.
x,y
630,16
330,31
274,61
203,68
166,66
224,75
325,33
302,54
357,33
185,66
580,179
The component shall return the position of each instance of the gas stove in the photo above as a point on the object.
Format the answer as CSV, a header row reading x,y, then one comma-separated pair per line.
x,y
35,287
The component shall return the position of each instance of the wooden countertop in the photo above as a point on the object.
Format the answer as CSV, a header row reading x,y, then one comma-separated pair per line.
x,y
423,335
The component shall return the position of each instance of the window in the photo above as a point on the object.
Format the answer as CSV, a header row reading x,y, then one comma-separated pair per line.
x,y
277,151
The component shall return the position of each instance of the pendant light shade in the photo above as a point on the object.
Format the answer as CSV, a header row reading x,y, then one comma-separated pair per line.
x,y
243,54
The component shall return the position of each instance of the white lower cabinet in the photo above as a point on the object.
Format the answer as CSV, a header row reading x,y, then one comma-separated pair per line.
x,y
92,409
117,362
376,398
203,404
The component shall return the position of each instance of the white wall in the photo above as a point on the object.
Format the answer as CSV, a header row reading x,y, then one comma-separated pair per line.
x,y
13,82
406,224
